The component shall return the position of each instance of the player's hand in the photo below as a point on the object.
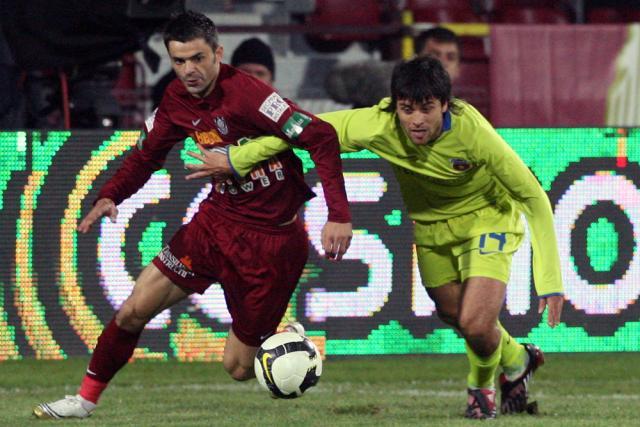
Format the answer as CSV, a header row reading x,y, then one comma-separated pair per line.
x,y
103,207
554,305
214,163
336,239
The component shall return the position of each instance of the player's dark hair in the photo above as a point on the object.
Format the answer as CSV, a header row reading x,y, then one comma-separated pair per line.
x,y
421,79
189,26
439,34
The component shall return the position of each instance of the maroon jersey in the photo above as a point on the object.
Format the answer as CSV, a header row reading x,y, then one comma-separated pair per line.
x,y
240,107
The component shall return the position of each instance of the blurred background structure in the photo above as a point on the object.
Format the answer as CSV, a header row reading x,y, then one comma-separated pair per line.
x,y
100,64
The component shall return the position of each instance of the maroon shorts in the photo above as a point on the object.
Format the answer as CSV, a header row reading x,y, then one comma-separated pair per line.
x,y
257,266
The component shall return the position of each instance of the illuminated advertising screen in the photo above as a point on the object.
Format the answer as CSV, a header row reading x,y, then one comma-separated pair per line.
x,y
60,288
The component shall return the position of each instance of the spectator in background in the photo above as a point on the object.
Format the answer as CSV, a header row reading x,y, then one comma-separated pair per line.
x,y
12,101
361,84
445,45
254,57
365,83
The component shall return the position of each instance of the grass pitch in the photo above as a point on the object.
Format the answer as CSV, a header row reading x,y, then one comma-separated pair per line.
x,y
571,389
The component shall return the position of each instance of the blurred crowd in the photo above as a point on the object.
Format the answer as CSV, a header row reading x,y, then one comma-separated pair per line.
x,y
84,73
108,94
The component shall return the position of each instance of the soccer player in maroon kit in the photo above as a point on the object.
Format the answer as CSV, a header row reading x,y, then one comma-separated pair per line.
x,y
246,234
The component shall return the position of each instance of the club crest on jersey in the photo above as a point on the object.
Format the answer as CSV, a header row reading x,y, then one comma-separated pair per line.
x,y
221,124
460,164
208,138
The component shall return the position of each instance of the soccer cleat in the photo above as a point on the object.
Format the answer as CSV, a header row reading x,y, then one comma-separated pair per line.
x,y
481,404
295,327
69,407
514,394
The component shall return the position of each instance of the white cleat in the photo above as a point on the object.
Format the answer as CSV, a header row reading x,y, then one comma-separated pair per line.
x,y
295,327
69,407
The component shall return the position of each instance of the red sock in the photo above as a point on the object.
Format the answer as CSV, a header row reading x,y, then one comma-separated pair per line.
x,y
91,389
115,347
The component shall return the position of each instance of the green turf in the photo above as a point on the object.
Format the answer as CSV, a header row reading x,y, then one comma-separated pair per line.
x,y
572,390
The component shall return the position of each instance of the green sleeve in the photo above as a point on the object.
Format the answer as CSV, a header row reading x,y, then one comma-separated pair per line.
x,y
487,147
355,129
242,158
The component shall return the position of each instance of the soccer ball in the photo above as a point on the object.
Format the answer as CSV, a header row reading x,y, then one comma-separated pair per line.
x,y
287,364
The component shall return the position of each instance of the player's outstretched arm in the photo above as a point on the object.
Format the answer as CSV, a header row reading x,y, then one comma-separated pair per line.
x,y
554,305
103,207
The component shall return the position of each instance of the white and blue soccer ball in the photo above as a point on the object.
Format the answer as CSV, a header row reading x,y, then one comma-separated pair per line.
x,y
287,364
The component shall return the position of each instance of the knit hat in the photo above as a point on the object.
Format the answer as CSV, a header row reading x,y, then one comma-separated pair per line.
x,y
254,51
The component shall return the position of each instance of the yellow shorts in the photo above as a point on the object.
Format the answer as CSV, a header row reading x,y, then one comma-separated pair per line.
x,y
480,244
487,255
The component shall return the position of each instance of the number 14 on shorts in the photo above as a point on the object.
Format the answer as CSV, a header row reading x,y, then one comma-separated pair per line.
x,y
492,243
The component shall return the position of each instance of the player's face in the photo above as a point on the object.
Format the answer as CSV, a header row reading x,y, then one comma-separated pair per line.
x,y
421,121
258,71
448,55
196,64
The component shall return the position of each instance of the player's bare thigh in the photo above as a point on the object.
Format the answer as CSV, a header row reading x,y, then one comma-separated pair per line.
x,y
238,358
482,300
447,299
152,293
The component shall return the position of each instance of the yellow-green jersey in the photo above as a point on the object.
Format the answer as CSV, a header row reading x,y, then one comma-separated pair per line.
x,y
468,169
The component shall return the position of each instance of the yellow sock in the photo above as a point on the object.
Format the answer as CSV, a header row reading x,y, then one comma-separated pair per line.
x,y
482,369
513,356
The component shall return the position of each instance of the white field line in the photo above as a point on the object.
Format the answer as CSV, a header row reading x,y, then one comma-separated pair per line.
x,y
353,388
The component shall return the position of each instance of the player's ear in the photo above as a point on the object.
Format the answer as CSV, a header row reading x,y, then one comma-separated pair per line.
x,y
218,53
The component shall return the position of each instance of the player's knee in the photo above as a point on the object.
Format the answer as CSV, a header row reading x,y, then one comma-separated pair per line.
x,y
238,372
127,319
449,317
474,328
243,374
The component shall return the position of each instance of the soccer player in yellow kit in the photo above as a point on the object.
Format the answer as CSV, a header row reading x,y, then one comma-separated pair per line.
x,y
465,189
